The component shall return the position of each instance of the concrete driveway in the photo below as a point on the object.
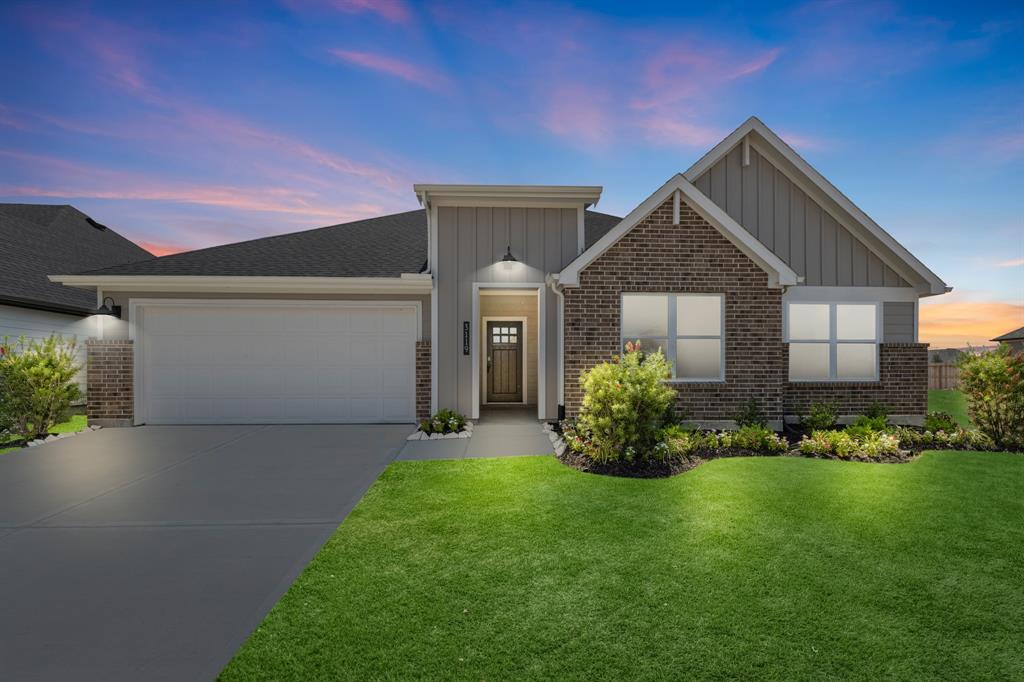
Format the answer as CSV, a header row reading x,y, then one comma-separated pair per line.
x,y
151,553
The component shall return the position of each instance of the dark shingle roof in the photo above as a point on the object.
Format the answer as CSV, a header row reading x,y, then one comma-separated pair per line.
x,y
37,240
376,247
1015,335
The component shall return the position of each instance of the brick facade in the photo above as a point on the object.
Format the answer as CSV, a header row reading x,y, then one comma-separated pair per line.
x,y
692,257
902,386
109,379
422,379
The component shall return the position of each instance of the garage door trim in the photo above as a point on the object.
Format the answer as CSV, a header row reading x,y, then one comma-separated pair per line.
x,y
137,331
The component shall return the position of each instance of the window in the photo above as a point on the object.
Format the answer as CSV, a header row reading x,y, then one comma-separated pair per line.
x,y
686,327
832,341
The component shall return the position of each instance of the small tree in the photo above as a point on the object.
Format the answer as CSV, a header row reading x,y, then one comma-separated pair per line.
x,y
994,385
37,384
625,403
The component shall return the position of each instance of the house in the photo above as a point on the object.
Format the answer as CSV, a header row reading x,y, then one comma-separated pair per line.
x,y
754,275
1014,339
37,239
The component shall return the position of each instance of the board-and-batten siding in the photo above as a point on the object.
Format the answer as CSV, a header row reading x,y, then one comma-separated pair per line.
x,y
16,322
898,322
792,224
471,242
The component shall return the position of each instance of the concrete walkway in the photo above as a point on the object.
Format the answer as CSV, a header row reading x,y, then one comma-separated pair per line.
x,y
500,432
151,553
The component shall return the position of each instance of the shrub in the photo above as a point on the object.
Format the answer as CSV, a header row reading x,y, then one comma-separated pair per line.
x,y
841,444
957,439
877,410
864,426
443,421
750,415
821,417
755,439
37,385
940,421
994,385
625,403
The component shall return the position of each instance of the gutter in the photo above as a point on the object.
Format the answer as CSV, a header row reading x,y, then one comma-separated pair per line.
x,y
48,307
407,283
552,281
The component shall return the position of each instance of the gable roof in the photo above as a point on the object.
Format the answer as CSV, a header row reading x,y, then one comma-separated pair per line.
x,y
1015,335
845,211
38,239
388,246
779,273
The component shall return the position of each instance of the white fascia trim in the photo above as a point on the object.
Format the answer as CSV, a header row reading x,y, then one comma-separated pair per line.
x,y
408,283
779,273
754,124
560,196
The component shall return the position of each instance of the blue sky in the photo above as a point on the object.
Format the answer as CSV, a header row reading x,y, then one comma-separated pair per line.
x,y
199,123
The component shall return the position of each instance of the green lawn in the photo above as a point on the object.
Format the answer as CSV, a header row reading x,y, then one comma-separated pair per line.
x,y
951,401
77,422
782,568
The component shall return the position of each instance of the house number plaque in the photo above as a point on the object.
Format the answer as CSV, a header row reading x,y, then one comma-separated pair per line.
x,y
465,338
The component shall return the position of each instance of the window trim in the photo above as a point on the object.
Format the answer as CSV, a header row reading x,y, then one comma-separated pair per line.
x,y
834,342
672,329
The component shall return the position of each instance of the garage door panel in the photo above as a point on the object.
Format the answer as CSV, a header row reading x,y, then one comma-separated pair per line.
x,y
271,364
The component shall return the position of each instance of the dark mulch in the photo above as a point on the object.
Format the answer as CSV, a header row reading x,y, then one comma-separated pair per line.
x,y
639,469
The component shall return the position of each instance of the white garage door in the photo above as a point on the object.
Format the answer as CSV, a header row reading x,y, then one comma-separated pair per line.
x,y
257,363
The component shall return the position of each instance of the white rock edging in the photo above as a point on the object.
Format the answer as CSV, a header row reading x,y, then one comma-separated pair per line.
x,y
467,432
61,436
556,440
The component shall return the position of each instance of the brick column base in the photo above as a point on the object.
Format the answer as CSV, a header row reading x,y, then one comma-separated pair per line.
x,y
422,379
109,382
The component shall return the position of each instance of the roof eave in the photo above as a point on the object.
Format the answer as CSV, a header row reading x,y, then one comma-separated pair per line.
x,y
407,283
507,195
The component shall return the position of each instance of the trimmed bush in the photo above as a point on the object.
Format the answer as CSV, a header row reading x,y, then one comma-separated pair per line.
x,y
822,416
625,403
749,439
750,415
956,439
843,445
37,385
940,421
443,421
994,385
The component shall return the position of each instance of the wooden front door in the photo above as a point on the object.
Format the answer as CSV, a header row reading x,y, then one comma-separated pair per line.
x,y
504,362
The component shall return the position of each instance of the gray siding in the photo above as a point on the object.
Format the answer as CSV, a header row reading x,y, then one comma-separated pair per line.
x,y
792,224
470,242
898,322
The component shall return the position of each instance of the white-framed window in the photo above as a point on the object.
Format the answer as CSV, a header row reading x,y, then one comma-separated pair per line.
x,y
833,341
688,328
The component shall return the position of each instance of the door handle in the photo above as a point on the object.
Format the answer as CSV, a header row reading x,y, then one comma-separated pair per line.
x,y
488,363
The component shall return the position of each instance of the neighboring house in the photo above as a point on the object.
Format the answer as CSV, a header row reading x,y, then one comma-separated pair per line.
x,y
1014,339
756,277
36,240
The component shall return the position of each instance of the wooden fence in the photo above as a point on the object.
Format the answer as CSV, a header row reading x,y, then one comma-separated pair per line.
x,y
943,375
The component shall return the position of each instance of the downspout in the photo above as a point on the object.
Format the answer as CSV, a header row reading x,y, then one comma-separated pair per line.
x,y
552,281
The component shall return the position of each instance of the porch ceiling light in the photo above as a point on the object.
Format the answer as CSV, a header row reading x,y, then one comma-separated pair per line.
x,y
508,260
108,308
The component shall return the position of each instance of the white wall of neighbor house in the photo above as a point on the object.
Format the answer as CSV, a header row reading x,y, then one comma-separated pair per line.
x,y
498,305
471,242
119,329
16,322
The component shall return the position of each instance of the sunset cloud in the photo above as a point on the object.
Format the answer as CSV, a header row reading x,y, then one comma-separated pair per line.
x,y
959,323
392,66
394,11
1013,263
159,249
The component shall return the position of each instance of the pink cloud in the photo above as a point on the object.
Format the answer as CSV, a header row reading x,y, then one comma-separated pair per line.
x,y
161,249
806,142
68,179
579,114
394,11
1013,263
392,66
674,131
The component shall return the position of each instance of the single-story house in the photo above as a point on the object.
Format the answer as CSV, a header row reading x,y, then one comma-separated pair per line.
x,y
754,275
1014,339
37,239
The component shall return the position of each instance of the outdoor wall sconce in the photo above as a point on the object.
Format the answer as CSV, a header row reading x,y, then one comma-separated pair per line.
x,y
508,261
109,308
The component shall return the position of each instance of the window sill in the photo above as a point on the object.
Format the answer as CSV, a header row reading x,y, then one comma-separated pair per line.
x,y
832,382
695,381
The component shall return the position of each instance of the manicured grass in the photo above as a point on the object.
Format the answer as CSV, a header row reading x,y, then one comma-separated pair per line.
x,y
952,401
782,568
77,422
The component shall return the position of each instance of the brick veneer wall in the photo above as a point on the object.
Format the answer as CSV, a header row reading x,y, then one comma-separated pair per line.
x,y
422,379
109,381
692,257
902,386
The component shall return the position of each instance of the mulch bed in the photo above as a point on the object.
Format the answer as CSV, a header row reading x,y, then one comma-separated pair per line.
x,y
673,466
